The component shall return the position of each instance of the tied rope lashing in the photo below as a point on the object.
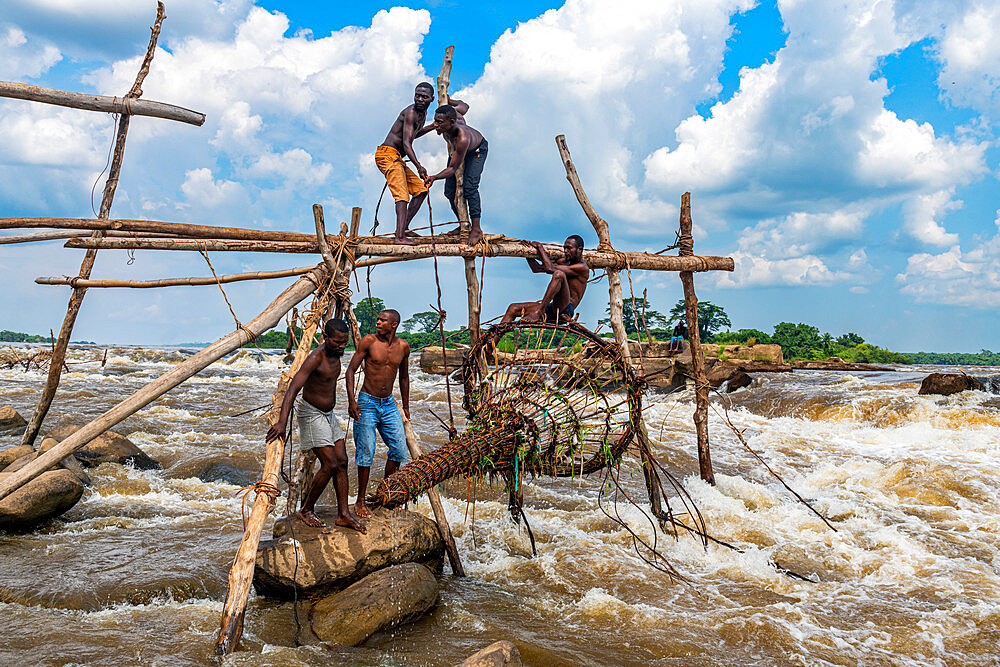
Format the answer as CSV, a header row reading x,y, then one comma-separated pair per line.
x,y
257,488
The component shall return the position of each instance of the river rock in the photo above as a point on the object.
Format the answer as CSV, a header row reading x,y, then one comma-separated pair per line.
x,y
10,420
738,381
48,495
946,384
835,364
108,447
432,360
498,654
70,462
11,454
384,599
332,558
721,372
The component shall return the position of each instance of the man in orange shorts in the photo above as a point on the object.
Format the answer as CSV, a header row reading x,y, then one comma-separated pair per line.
x,y
408,189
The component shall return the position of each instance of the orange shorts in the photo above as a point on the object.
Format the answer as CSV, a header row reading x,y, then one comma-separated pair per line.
x,y
403,183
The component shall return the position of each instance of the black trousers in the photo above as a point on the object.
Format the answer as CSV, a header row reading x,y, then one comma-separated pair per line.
x,y
472,170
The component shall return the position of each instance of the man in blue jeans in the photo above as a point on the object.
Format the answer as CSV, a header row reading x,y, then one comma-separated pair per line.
x,y
384,356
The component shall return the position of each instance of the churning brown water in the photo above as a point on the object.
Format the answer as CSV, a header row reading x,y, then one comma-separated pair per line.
x,y
136,572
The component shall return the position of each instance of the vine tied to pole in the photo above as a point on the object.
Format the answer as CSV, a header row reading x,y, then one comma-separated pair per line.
x,y
441,315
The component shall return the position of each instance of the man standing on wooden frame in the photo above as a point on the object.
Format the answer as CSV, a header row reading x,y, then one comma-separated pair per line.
x,y
408,189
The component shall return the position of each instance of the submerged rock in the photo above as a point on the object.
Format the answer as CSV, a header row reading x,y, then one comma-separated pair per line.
x,y
70,462
329,559
11,454
10,421
108,447
387,598
738,381
47,496
946,384
498,654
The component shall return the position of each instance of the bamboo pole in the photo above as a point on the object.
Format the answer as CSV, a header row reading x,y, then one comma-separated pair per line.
x,y
241,573
694,337
209,280
615,306
596,259
175,376
119,105
76,299
413,444
471,278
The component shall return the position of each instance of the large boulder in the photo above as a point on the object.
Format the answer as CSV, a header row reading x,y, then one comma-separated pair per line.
x,y
767,353
738,381
498,654
69,462
108,447
947,383
720,372
432,360
387,598
11,454
321,560
10,420
48,495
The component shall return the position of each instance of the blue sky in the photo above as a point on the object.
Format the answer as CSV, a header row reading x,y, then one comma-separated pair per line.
x,y
845,154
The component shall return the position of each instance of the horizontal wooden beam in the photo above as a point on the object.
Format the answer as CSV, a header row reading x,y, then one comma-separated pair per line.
x,y
368,246
132,106
182,282
61,235
156,227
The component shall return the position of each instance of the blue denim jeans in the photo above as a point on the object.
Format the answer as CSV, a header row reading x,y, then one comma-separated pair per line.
x,y
382,415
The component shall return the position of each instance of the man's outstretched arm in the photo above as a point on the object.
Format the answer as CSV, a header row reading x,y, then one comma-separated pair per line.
x,y
457,157
404,380
408,138
280,427
460,106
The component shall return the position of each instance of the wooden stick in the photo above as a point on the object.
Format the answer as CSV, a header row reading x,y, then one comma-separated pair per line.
x,y
413,444
62,235
180,282
301,478
694,337
119,105
597,259
615,306
241,573
76,299
175,376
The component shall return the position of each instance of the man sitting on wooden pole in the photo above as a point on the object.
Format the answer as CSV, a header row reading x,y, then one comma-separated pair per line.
x,y
408,189
565,290
319,429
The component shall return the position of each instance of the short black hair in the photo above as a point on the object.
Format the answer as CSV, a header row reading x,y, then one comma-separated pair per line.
x,y
393,312
333,325
577,239
447,111
424,84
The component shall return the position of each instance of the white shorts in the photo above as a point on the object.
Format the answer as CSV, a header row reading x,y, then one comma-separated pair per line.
x,y
316,428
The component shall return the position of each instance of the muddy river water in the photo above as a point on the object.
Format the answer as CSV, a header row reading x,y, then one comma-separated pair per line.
x,y
136,572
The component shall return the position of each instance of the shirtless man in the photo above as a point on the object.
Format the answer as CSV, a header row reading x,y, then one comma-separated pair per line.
x,y
319,429
403,183
565,290
384,356
469,148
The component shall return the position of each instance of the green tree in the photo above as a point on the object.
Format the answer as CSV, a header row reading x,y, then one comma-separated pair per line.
x,y
827,341
366,312
711,318
796,340
850,339
422,322
741,337
633,313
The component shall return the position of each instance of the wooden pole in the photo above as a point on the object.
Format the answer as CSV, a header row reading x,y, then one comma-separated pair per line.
x,y
241,573
615,303
471,278
596,259
413,444
76,299
176,375
694,336
119,105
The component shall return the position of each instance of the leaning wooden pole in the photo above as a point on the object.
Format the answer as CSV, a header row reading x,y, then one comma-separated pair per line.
x,y
76,299
694,336
270,317
615,305
413,445
241,573
471,278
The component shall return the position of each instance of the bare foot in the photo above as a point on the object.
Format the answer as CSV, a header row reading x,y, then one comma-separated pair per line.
x,y
361,509
350,522
474,236
533,316
455,232
402,240
309,518
412,234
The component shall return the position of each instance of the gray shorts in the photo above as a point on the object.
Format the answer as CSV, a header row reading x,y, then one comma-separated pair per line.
x,y
316,428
